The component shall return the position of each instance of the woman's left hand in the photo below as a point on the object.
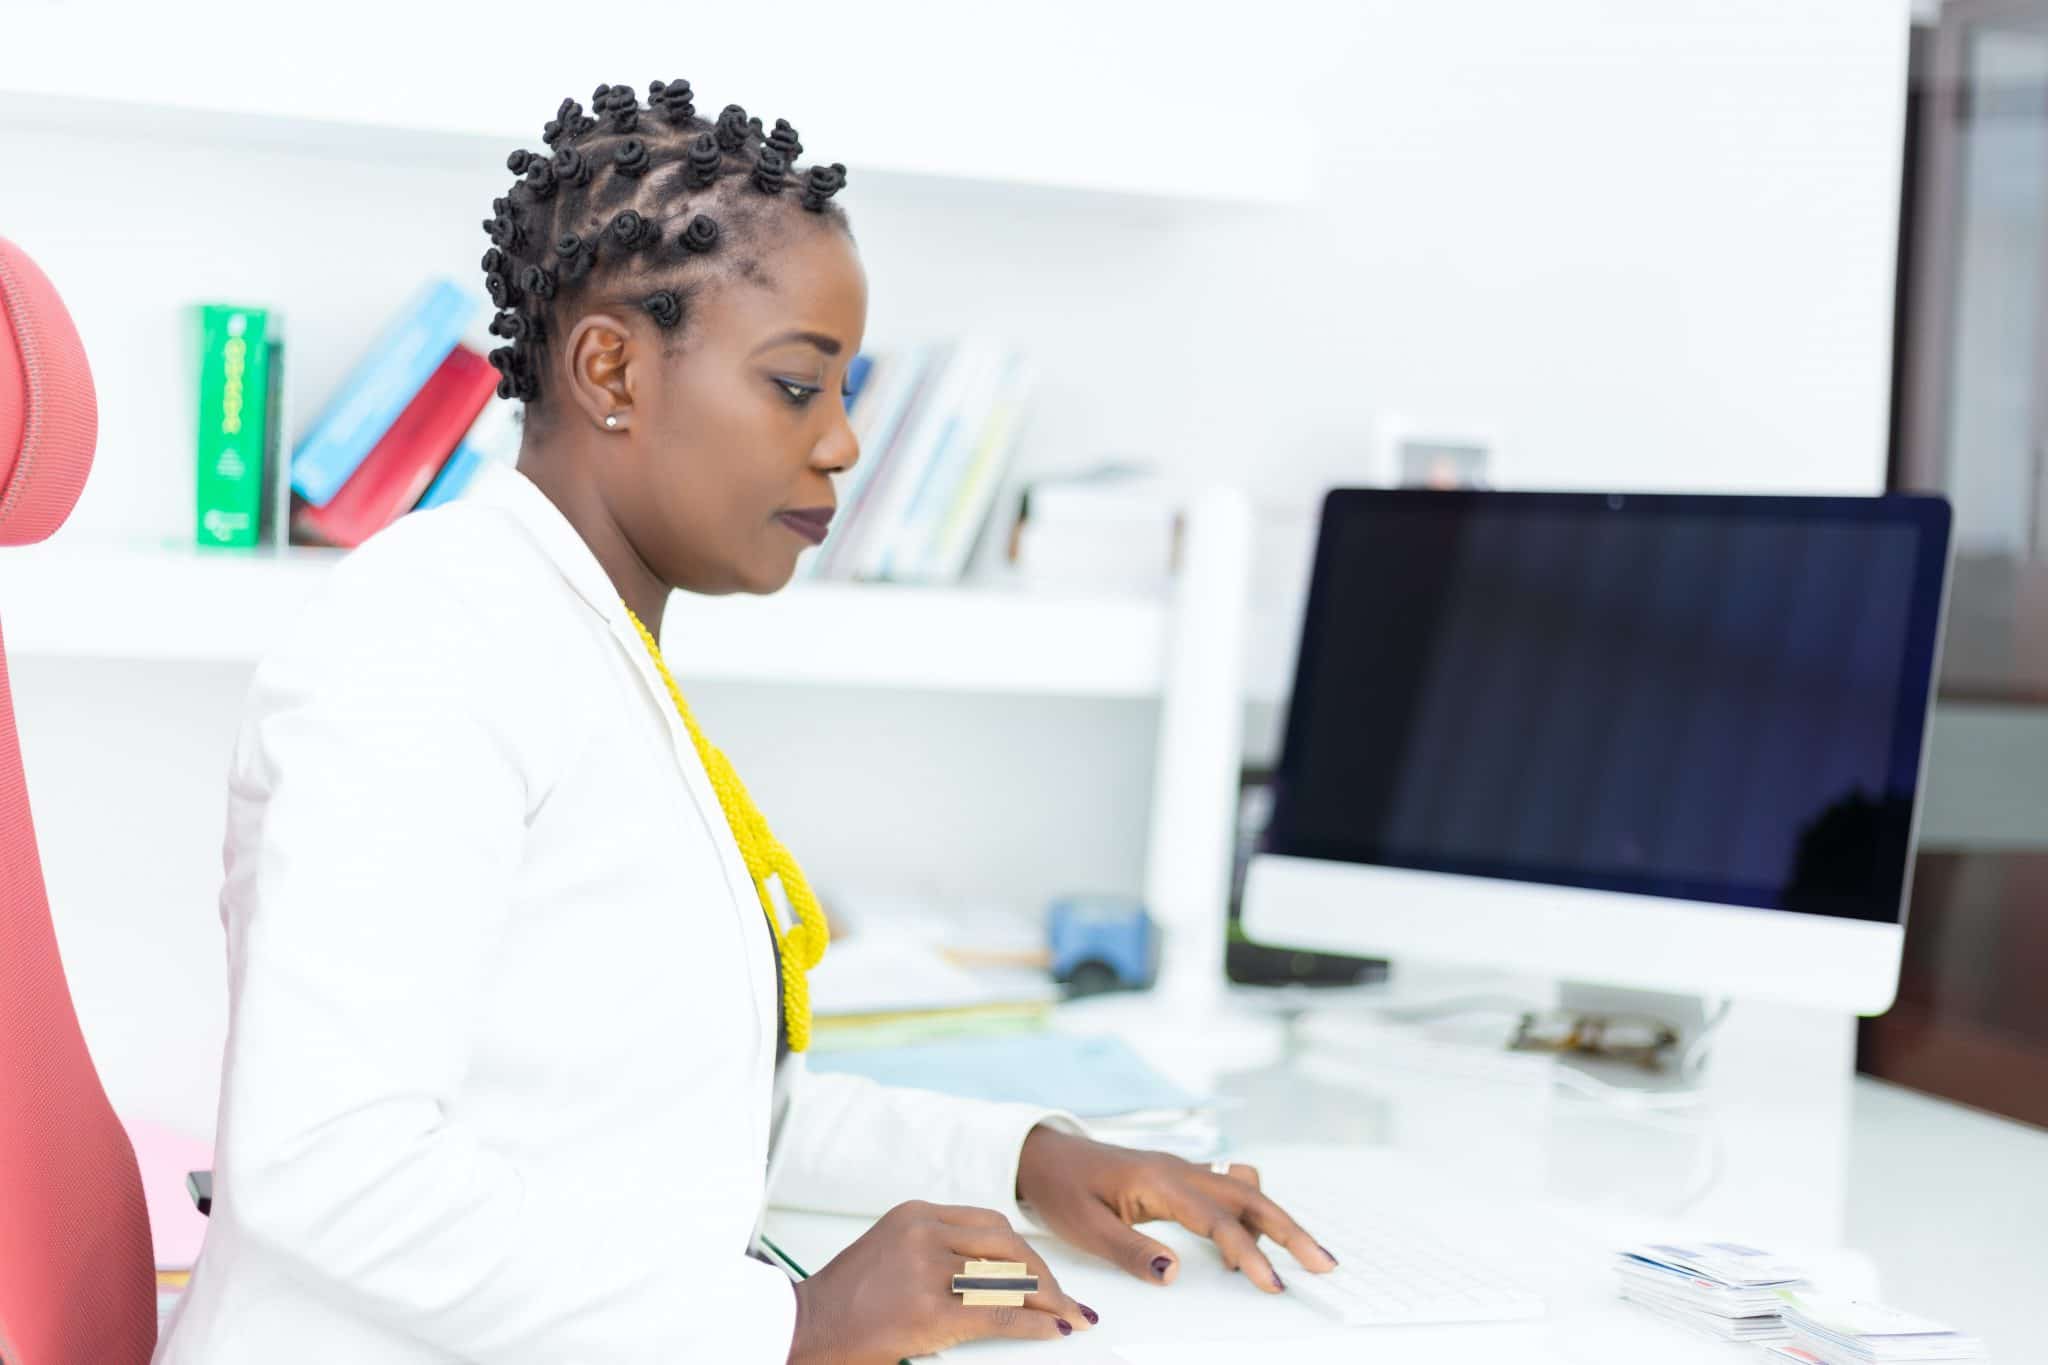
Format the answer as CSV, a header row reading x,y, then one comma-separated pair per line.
x,y
1091,1194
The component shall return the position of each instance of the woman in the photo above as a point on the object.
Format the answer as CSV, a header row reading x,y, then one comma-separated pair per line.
x,y
517,971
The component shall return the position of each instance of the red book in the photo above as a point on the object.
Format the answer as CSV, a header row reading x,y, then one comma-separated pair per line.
x,y
405,459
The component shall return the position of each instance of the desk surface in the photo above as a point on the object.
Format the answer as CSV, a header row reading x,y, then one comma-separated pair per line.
x,y
1934,1208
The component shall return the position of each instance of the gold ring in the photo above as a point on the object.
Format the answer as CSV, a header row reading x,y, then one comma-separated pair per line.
x,y
994,1284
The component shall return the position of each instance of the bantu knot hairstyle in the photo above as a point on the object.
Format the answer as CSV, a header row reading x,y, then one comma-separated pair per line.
x,y
630,158
702,233
569,122
821,184
619,106
578,256
572,168
673,99
632,232
702,165
637,206
665,308
732,128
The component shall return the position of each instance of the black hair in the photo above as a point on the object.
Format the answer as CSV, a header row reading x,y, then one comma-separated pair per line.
x,y
641,205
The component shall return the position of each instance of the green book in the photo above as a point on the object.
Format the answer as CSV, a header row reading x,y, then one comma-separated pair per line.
x,y
234,399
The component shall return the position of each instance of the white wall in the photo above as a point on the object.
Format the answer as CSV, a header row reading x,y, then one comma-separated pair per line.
x,y
1650,244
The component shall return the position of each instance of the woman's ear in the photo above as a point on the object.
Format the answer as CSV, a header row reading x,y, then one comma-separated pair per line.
x,y
599,353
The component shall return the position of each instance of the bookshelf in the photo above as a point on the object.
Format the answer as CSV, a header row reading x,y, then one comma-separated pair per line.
x,y
1082,187
179,603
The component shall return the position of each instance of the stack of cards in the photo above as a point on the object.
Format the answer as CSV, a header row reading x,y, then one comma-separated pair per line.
x,y
1721,1288
1843,1332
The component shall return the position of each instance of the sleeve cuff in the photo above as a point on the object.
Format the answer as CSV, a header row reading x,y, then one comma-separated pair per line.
x,y
1002,1130
767,1301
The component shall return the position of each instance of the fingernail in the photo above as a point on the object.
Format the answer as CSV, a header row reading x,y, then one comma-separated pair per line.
x,y
1326,1251
1160,1265
1278,1283
1066,1328
1089,1313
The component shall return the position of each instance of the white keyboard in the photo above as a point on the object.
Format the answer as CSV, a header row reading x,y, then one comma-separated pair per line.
x,y
1389,1271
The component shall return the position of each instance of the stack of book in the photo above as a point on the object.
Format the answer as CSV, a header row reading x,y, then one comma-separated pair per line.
x,y
1844,1332
407,428
937,424
1726,1290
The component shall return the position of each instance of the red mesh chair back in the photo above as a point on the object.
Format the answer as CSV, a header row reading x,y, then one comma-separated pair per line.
x,y
77,1274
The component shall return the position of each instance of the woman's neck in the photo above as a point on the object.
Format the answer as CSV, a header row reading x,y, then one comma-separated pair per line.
x,y
579,500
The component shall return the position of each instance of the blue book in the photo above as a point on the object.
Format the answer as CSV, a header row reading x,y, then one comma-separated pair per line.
x,y
453,478
857,375
379,387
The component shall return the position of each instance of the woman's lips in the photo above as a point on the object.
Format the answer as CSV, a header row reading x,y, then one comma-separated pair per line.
x,y
811,523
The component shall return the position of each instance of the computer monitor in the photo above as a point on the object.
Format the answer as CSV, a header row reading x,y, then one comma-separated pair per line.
x,y
1664,742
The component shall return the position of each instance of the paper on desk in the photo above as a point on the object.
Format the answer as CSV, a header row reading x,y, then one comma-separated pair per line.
x,y
1856,1330
1728,1263
873,973
1088,1077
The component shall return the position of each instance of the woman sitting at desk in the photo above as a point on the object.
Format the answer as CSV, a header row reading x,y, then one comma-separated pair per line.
x,y
517,1008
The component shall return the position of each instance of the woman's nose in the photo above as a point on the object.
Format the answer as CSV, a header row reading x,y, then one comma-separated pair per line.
x,y
839,449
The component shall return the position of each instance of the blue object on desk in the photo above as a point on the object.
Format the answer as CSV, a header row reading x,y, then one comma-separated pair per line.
x,y
1087,1077
1101,943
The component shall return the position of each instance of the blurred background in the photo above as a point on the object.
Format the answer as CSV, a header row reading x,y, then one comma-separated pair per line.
x,y
1759,245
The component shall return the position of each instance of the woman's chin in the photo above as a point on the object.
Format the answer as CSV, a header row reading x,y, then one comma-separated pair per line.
x,y
770,578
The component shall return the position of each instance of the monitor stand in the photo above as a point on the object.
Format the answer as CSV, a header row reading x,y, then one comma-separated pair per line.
x,y
1758,1049
1686,1015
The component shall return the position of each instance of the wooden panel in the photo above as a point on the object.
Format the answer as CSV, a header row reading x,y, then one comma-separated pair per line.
x,y
1971,1023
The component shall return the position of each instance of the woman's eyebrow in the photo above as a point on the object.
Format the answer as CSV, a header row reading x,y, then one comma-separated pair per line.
x,y
829,345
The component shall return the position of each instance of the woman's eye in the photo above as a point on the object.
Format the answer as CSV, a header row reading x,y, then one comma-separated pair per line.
x,y
797,394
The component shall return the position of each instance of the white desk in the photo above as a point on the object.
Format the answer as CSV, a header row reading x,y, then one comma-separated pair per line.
x,y
1935,1208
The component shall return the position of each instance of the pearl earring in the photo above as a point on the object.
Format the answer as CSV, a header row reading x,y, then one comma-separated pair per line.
x,y
611,419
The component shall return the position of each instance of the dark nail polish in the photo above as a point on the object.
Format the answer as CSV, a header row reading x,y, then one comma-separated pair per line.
x,y
1160,1265
1326,1251
1066,1328
1089,1313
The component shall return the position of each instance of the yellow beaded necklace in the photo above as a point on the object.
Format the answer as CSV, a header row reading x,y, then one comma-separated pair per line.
x,y
799,949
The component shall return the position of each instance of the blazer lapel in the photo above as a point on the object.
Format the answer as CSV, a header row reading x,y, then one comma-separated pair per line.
x,y
504,487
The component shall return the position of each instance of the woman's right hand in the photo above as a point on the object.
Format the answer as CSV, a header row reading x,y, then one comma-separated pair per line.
x,y
890,1294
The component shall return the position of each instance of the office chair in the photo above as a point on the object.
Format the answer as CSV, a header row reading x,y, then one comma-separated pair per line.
x,y
77,1270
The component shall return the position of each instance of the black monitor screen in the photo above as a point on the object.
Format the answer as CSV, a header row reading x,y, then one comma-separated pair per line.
x,y
1710,698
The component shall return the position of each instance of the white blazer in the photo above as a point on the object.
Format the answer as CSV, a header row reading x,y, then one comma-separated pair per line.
x,y
500,1069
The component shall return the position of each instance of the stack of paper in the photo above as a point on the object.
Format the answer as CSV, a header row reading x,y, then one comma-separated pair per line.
x,y
1843,1332
1096,1079
1724,1289
878,989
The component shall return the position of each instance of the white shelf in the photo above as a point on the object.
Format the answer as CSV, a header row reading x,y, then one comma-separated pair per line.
x,y
412,116
68,599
